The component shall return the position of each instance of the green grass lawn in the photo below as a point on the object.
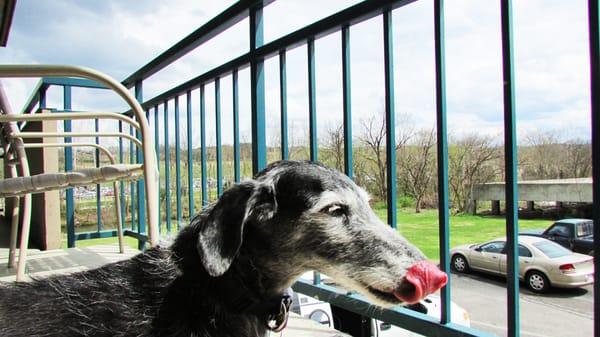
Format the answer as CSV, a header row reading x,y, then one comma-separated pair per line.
x,y
422,229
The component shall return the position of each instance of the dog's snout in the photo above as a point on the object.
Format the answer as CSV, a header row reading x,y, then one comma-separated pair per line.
x,y
422,279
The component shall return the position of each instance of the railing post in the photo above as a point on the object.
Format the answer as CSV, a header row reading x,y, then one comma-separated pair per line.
x,y
70,199
390,118
312,104
510,158
218,137
157,150
42,94
141,192
122,183
442,155
98,189
594,36
236,127
203,146
283,105
167,168
347,100
190,159
177,164
257,84
132,192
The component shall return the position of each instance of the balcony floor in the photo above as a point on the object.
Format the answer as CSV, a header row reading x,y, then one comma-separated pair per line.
x,y
43,263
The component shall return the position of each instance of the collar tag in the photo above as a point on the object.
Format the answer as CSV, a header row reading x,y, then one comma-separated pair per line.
x,y
276,322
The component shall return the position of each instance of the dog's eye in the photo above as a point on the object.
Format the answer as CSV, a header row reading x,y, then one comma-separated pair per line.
x,y
335,210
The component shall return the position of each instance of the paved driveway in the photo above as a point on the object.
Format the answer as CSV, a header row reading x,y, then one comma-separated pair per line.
x,y
560,313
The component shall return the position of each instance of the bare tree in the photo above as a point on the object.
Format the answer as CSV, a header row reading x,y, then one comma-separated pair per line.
x,y
534,157
373,138
333,147
473,160
578,163
416,162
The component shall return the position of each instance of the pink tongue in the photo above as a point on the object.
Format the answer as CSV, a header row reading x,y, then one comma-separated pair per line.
x,y
422,279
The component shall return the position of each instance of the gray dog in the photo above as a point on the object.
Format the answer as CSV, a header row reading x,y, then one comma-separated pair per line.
x,y
226,273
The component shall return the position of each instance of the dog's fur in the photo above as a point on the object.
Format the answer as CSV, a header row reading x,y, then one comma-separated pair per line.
x,y
249,246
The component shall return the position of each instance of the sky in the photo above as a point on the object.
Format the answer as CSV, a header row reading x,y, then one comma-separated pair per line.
x,y
118,37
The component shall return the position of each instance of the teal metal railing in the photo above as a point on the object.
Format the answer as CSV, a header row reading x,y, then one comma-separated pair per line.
x,y
253,59
510,162
594,36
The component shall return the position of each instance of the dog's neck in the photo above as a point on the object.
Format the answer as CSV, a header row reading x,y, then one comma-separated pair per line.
x,y
248,290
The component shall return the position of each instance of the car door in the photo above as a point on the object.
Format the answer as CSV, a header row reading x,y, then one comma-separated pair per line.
x,y
561,234
525,258
487,257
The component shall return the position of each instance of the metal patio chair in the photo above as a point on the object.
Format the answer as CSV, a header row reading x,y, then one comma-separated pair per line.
x,y
21,184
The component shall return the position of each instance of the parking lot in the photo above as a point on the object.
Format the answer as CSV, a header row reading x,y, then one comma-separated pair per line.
x,y
560,312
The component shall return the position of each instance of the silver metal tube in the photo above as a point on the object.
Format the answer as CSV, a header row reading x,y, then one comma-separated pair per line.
x,y
28,134
52,116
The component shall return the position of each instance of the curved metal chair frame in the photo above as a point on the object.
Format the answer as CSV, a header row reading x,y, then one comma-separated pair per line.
x,y
15,148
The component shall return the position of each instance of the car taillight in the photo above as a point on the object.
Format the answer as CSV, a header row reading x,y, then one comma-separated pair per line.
x,y
567,268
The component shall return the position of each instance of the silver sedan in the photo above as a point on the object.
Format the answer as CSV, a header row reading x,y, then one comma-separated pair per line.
x,y
542,263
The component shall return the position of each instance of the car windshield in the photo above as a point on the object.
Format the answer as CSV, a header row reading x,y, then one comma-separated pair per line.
x,y
585,229
552,249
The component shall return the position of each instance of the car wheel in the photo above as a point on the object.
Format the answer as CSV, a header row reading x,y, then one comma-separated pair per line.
x,y
460,264
538,282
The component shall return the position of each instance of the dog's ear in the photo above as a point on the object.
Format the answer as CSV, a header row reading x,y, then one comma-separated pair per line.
x,y
221,235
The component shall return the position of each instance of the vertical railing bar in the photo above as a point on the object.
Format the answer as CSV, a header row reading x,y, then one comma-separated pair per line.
x,y
594,36
390,119
442,154
122,183
236,127
177,164
157,150
190,160
257,88
218,136
167,167
42,94
132,192
285,155
312,109
347,100
98,190
70,199
203,147
141,190
510,153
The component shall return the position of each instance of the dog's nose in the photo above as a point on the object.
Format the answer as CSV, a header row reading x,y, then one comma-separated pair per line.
x,y
421,279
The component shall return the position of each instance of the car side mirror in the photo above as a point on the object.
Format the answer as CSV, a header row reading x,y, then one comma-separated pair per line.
x,y
478,249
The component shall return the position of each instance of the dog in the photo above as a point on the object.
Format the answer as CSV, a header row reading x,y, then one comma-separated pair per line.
x,y
226,273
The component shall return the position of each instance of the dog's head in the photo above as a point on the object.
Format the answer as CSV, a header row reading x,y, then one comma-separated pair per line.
x,y
299,216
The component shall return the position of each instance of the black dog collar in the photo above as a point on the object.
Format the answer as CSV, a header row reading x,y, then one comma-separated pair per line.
x,y
274,310
277,321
